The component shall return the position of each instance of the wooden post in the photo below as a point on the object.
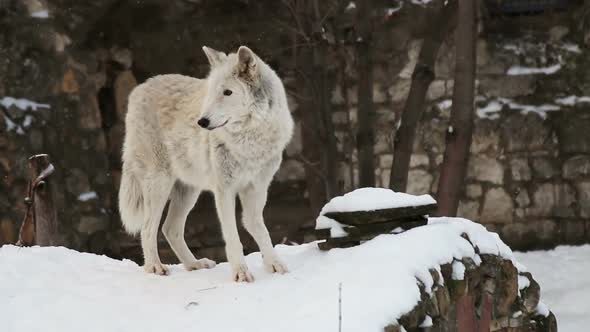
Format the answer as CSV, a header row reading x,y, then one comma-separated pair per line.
x,y
43,204
40,223
26,234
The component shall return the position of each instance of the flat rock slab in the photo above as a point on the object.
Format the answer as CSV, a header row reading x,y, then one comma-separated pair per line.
x,y
359,233
355,218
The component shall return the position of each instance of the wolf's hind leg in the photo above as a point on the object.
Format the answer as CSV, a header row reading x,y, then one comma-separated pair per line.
x,y
156,192
253,199
182,199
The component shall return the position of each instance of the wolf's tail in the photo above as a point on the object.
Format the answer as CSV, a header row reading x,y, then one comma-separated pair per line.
x,y
131,203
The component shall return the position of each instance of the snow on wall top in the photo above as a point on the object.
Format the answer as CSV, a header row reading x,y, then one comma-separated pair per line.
x,y
22,103
73,291
370,199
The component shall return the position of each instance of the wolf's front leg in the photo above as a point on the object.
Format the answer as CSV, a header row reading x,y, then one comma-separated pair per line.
x,y
226,211
253,199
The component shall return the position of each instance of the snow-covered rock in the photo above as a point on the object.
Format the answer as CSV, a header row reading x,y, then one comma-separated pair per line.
x,y
366,199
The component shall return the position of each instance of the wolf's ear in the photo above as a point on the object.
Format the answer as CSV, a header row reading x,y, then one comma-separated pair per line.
x,y
247,63
214,57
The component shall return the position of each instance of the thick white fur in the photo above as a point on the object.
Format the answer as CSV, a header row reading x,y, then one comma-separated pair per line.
x,y
167,156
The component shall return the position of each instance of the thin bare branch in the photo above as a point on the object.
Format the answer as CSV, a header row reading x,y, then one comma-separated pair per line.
x,y
313,166
296,18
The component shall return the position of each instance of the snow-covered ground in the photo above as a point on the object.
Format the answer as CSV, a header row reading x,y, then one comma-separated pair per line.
x,y
57,289
564,276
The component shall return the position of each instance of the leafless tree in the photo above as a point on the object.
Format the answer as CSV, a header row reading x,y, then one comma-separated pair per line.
x,y
312,46
423,75
365,139
458,140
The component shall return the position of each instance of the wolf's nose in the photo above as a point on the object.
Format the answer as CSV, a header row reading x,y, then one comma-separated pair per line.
x,y
203,122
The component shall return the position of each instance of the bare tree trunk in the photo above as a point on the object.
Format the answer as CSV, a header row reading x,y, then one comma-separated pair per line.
x,y
414,108
319,151
311,150
365,136
460,129
314,176
322,94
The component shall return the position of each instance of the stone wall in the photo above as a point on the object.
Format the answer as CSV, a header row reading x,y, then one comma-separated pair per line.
x,y
529,167
529,173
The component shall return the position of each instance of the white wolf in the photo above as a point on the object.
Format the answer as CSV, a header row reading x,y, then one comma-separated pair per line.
x,y
225,134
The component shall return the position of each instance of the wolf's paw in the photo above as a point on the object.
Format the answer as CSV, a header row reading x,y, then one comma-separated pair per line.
x,y
202,263
156,268
274,265
241,273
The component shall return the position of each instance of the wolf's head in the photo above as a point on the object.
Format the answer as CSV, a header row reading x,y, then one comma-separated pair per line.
x,y
236,90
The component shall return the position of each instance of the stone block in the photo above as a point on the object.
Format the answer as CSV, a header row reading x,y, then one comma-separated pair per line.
x,y
523,133
399,90
379,94
485,169
584,198
337,96
544,168
573,132
291,170
573,231
77,182
473,190
92,224
122,56
485,138
385,177
89,116
520,170
122,87
557,32
340,118
526,236
419,182
507,86
522,199
497,207
553,200
436,90
576,167
468,210
419,160
386,160
413,53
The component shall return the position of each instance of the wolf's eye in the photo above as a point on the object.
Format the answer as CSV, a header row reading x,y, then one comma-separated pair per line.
x,y
227,92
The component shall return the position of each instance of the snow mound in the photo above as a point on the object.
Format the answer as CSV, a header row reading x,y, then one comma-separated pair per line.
x,y
57,289
370,199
